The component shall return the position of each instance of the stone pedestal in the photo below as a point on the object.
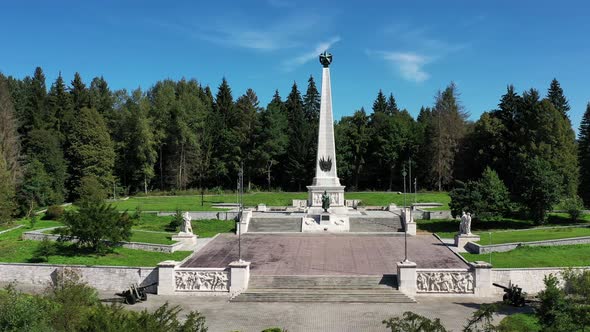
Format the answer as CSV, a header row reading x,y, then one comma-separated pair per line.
x,y
326,222
462,239
239,276
261,208
336,193
483,279
186,238
166,280
406,278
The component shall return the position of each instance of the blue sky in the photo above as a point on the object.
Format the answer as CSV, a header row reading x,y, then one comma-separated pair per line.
x,y
409,48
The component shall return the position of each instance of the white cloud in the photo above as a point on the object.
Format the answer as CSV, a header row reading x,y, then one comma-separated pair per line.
x,y
313,54
410,65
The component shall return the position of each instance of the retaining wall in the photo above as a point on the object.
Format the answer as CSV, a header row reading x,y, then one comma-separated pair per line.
x,y
529,279
475,248
108,278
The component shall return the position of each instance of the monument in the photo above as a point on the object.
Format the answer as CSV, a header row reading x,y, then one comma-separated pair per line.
x,y
186,234
326,177
326,211
465,234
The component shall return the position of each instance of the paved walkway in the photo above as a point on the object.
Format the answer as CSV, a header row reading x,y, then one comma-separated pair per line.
x,y
223,316
319,254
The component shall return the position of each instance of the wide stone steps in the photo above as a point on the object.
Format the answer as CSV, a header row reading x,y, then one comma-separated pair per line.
x,y
368,224
275,225
349,289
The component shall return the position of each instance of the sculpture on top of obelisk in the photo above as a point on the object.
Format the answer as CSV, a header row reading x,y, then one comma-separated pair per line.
x,y
326,178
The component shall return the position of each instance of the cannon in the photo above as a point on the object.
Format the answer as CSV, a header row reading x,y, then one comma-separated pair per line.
x,y
513,295
135,293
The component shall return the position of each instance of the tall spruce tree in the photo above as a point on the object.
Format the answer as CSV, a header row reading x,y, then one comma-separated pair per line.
x,y
557,98
300,140
79,93
380,103
91,152
391,105
353,134
228,143
584,156
446,129
101,98
10,169
60,108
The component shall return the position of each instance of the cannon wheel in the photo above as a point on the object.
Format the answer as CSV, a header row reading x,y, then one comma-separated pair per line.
x,y
506,299
143,295
129,298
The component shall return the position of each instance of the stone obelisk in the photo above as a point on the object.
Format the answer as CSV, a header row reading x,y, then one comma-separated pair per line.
x,y
326,178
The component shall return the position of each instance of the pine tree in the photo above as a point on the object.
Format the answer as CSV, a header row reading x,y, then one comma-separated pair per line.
x,y
311,102
79,93
44,147
584,156
353,134
380,104
60,108
300,141
557,98
391,105
445,132
9,139
91,151
229,154
101,98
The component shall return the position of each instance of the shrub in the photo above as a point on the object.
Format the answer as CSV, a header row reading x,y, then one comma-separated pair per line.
x,y
573,206
93,224
519,323
54,212
176,221
22,312
91,191
411,322
44,249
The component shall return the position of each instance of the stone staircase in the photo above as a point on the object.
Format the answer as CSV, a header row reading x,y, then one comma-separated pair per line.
x,y
371,224
348,289
275,225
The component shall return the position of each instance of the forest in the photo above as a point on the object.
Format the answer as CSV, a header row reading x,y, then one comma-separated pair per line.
x,y
181,135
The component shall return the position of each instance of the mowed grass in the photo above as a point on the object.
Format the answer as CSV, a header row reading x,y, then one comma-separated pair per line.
x,y
533,235
447,228
193,203
203,228
551,256
15,250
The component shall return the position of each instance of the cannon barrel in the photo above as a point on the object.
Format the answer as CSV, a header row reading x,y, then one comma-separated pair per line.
x,y
146,286
500,286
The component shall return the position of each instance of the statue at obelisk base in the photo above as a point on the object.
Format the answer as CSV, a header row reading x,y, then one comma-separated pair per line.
x,y
464,236
186,231
326,179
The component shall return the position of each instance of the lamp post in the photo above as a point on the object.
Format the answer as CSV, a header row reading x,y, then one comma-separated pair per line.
x,y
404,173
240,209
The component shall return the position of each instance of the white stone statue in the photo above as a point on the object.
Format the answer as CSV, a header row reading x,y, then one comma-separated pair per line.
x,y
465,225
187,227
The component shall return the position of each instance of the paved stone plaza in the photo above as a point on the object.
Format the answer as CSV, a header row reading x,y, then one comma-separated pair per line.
x,y
224,316
319,254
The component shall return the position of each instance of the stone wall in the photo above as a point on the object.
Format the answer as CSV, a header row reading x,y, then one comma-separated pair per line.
x,y
167,248
206,215
475,248
529,279
106,278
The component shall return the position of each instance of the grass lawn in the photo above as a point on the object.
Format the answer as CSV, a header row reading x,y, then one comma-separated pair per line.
x,y
552,256
447,228
15,250
193,203
203,228
533,235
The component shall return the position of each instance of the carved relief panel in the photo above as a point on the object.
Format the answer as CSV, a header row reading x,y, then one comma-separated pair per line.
x,y
445,282
213,281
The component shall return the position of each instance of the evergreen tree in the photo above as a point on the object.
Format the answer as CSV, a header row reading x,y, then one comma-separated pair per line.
x,y
380,103
445,131
540,185
79,93
91,151
300,141
60,108
311,102
34,111
391,105
101,98
584,156
353,134
44,147
9,139
272,134
35,189
248,108
556,97
228,144
7,193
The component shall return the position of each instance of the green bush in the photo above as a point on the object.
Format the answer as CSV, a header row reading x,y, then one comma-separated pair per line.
x,y
54,212
44,249
519,323
176,221
573,206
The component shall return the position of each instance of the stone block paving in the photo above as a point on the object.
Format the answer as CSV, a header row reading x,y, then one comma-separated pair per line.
x,y
224,316
319,254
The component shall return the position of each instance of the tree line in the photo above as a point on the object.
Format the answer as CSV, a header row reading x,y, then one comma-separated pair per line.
x,y
179,135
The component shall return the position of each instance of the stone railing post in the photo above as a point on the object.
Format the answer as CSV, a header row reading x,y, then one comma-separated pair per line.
x,y
406,278
408,219
239,276
166,282
483,278
245,222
